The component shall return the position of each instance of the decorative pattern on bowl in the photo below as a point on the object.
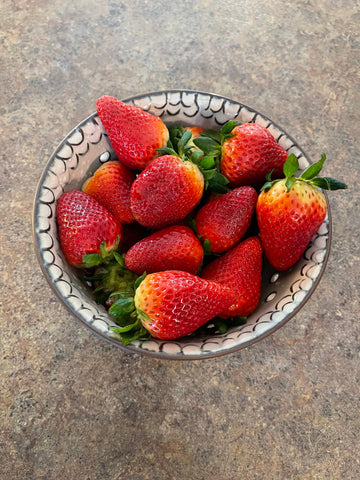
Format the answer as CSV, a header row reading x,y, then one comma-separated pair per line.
x,y
81,153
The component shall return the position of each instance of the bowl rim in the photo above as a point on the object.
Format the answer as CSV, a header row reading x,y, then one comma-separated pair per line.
x,y
161,354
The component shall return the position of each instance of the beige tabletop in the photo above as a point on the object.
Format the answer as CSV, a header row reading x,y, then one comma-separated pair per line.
x,y
75,407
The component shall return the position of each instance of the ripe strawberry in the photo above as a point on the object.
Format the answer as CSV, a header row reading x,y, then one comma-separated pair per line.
x,y
166,191
172,304
240,270
250,154
134,134
110,185
224,221
291,210
85,226
172,248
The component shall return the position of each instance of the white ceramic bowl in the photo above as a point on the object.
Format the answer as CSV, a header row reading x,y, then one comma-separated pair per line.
x,y
86,147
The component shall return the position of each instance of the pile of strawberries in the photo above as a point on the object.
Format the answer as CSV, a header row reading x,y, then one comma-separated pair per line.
x,y
171,234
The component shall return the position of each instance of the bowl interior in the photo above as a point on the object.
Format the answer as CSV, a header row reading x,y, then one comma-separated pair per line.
x,y
86,147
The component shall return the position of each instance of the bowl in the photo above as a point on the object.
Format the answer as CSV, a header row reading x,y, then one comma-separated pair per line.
x,y
86,147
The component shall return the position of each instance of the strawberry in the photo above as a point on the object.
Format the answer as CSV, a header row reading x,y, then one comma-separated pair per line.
x,y
250,154
173,304
134,134
110,185
166,191
290,211
224,221
85,227
240,270
172,248
246,153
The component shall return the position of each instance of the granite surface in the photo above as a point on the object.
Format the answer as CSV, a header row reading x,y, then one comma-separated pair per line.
x,y
75,407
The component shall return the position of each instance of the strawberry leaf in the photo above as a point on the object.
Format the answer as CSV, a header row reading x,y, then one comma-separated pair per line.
x,y
238,320
220,326
91,260
207,162
121,309
328,183
290,182
213,134
220,178
139,280
206,247
314,169
269,183
183,141
125,328
219,137
142,315
119,258
218,183
268,175
196,156
192,225
223,325
229,127
104,256
167,151
208,174
291,166
209,146
175,133
122,293
132,331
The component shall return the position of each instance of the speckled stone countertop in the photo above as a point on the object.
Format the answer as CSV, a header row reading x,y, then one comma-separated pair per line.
x,y
73,406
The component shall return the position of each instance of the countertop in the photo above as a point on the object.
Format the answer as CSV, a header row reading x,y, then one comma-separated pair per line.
x,y
75,407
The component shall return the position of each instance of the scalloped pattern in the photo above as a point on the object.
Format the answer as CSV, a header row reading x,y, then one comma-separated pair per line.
x,y
81,153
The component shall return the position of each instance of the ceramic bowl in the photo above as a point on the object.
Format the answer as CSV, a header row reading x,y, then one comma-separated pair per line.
x,y
81,153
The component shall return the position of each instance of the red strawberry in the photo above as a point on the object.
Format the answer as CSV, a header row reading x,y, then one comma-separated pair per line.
x,y
172,304
291,210
110,185
166,191
250,154
224,221
240,270
84,224
172,248
134,134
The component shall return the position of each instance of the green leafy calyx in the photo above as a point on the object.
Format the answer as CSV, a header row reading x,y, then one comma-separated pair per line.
x,y
309,175
203,151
